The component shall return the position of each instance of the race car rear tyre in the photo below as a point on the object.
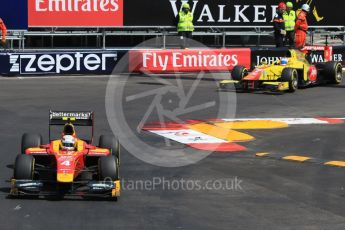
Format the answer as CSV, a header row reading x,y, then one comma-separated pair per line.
x,y
239,72
333,71
290,75
24,167
107,167
30,140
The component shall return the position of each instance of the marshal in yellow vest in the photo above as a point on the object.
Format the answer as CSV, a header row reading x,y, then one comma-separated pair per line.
x,y
290,20
185,22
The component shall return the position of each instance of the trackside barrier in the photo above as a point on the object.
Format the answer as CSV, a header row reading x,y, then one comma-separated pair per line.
x,y
147,60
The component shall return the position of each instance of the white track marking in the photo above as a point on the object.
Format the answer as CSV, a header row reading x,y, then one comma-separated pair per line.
x,y
187,136
290,121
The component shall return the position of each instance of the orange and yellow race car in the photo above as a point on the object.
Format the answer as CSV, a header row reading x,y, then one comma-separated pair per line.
x,y
67,166
287,74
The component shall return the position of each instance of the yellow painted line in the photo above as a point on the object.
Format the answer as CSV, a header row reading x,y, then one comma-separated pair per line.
x,y
261,154
296,158
257,124
221,133
335,163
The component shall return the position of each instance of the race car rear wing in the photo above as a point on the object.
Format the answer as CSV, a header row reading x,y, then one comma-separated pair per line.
x,y
77,118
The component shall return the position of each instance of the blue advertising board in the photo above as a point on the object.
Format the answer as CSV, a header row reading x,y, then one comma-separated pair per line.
x,y
15,14
57,63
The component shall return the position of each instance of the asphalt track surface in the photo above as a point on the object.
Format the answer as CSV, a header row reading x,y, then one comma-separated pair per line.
x,y
273,193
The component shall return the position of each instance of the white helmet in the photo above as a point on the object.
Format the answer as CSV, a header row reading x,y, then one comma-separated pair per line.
x,y
306,7
68,142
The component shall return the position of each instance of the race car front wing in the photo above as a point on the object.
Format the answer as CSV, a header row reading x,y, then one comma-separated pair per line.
x,y
256,85
80,188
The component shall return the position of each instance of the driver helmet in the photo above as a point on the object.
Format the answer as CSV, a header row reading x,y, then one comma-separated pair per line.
x,y
68,142
284,61
68,129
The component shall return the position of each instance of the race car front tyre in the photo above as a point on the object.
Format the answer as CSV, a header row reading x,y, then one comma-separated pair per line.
x,y
239,72
30,140
107,167
24,167
290,75
333,72
112,143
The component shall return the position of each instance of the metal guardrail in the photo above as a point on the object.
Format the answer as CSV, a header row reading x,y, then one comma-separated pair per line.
x,y
165,31
11,37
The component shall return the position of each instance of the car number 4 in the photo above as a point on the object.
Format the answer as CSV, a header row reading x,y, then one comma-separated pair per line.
x,y
66,163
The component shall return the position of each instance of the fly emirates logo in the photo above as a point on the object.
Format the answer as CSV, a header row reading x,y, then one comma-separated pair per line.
x,y
75,13
77,5
184,60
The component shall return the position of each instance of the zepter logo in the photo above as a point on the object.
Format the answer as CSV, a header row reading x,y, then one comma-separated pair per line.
x,y
60,62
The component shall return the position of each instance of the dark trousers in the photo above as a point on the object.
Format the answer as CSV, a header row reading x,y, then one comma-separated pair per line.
x,y
290,38
279,39
183,41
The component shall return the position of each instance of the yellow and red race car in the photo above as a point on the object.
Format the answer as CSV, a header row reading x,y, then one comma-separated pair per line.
x,y
286,74
68,166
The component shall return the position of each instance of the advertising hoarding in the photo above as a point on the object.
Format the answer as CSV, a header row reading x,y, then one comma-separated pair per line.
x,y
187,60
317,54
75,13
117,13
226,12
339,54
56,63
155,61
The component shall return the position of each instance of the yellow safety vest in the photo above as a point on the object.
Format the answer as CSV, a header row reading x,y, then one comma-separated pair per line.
x,y
185,22
290,20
